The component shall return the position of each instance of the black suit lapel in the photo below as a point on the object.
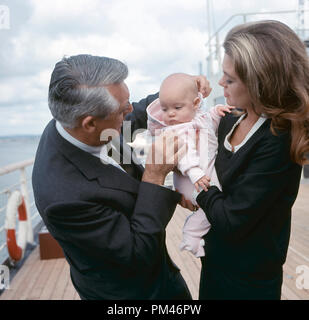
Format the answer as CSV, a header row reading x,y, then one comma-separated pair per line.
x,y
239,158
91,166
127,162
114,178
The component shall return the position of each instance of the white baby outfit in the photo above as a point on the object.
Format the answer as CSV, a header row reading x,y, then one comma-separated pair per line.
x,y
201,137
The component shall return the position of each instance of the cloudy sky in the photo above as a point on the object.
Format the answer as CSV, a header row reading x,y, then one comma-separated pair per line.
x,y
153,37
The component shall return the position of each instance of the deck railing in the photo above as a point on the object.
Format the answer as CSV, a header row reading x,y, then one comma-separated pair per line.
x,y
214,43
26,192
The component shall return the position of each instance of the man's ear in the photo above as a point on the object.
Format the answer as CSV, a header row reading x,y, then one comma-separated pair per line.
x,y
196,103
89,124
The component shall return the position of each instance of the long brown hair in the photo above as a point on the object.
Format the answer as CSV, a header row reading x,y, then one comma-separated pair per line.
x,y
272,62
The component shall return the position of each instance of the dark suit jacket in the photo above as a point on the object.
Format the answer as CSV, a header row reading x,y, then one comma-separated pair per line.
x,y
110,225
248,240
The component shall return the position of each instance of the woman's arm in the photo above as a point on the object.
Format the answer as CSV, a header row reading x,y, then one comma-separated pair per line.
x,y
235,211
138,116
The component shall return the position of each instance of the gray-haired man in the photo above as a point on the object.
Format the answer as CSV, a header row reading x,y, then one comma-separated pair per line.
x,y
105,219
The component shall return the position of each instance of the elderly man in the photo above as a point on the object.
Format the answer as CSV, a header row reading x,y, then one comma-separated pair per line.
x,y
103,213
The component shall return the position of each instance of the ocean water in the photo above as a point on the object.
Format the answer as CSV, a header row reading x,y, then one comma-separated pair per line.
x,y
14,150
20,148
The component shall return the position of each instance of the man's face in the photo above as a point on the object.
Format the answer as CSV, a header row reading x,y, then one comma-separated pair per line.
x,y
114,121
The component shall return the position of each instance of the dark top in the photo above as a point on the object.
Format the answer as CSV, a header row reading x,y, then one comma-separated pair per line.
x,y
250,219
111,230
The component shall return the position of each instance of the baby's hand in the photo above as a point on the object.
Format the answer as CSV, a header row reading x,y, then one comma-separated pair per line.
x,y
222,109
203,183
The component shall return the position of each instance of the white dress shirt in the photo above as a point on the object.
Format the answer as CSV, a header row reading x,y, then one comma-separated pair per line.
x,y
254,128
100,151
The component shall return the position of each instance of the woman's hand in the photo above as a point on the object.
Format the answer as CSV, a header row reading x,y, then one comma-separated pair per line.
x,y
163,156
203,85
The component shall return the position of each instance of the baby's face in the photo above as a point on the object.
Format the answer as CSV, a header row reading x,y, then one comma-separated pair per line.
x,y
179,99
175,112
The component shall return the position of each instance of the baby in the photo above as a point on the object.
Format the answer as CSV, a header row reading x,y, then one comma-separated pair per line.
x,y
179,108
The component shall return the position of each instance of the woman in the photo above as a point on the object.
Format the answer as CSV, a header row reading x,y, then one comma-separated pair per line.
x,y
266,74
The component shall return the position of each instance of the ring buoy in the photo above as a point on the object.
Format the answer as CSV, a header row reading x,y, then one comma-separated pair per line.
x,y
16,204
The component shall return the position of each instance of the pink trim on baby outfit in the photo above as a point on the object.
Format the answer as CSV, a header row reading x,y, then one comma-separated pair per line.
x,y
193,166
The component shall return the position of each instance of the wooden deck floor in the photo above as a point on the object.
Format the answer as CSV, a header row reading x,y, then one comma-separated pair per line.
x,y
50,279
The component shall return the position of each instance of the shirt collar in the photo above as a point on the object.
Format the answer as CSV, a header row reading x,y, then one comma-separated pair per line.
x,y
91,149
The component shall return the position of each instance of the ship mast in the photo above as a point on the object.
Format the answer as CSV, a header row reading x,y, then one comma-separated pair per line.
x,y
209,62
301,19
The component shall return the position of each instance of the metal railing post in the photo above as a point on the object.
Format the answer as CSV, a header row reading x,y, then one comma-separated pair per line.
x,y
245,17
25,194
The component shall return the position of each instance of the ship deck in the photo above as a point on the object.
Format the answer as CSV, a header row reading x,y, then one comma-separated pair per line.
x,y
50,279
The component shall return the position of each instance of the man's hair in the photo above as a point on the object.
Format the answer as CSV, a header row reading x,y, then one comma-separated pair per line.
x,y
77,88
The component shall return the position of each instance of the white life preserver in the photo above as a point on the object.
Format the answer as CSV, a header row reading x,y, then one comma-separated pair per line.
x,y
16,204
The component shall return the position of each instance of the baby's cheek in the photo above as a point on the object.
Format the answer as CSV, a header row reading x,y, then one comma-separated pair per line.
x,y
189,117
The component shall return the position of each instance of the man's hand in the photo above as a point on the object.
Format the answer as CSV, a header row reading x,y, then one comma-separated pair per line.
x,y
203,85
222,109
163,156
203,183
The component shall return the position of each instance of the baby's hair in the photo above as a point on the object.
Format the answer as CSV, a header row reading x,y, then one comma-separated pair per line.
x,y
182,82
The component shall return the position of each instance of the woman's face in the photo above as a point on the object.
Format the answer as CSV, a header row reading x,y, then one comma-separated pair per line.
x,y
235,91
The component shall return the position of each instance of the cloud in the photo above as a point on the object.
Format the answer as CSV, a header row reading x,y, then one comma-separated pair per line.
x,y
154,38
24,89
28,119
